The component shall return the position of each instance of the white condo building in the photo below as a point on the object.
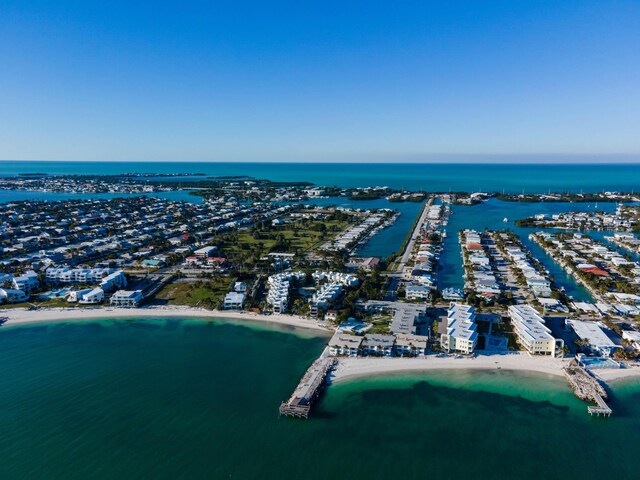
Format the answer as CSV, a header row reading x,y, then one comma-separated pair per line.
x,y
279,284
26,282
461,336
93,296
532,332
107,278
126,298
343,344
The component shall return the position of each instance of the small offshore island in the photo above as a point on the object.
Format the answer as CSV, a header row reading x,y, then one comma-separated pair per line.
x,y
283,252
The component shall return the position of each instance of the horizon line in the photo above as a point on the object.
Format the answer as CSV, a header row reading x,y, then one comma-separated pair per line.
x,y
462,159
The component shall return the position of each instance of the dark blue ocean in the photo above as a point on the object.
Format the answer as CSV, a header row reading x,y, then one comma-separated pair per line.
x,y
510,178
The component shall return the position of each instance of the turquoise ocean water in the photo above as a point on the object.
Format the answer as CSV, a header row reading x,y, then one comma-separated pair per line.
x,y
196,399
514,178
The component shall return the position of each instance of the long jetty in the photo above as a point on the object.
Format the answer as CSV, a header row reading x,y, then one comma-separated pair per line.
x,y
307,391
588,389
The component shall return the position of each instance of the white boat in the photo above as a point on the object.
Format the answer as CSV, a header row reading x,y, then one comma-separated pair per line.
x,y
505,219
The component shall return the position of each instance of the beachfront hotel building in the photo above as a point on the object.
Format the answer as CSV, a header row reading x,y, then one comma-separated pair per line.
x,y
408,345
461,335
345,345
378,345
532,332
126,298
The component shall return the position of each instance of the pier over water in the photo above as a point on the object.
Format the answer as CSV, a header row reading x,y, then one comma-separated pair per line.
x,y
299,404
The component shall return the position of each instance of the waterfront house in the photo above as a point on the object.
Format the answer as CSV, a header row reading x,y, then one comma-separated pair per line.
x,y
76,295
234,301
93,296
126,298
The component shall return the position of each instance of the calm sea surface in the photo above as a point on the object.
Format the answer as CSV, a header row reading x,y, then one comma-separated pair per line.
x,y
194,399
515,178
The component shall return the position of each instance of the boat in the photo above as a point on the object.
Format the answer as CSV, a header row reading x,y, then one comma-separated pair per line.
x,y
505,219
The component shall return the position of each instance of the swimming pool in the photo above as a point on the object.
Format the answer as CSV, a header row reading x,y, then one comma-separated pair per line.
x,y
592,363
63,292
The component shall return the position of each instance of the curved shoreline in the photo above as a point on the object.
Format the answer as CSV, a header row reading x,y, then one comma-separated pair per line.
x,y
54,315
348,368
352,368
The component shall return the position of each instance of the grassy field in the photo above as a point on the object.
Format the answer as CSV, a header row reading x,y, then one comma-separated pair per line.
x,y
202,293
287,238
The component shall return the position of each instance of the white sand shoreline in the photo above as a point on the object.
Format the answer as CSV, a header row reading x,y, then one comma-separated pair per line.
x,y
17,317
612,375
351,368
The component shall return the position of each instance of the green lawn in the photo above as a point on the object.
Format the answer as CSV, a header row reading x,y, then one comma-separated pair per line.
x,y
288,238
381,324
207,293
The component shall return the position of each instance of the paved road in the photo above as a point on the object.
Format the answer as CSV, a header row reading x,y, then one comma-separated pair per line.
x,y
396,277
414,237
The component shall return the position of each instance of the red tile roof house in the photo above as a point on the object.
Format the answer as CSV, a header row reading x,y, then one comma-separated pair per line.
x,y
595,271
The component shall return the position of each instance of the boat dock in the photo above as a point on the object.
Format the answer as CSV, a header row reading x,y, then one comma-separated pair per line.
x,y
588,389
299,404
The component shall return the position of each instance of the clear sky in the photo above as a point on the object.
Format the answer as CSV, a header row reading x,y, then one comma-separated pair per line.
x,y
326,80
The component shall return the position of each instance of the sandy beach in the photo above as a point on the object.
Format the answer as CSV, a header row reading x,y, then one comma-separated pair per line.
x,y
23,316
349,368
610,375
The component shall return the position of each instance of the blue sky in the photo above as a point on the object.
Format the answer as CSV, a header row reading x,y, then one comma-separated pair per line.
x,y
227,81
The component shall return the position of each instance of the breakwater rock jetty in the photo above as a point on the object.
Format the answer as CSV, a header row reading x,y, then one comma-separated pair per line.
x,y
588,389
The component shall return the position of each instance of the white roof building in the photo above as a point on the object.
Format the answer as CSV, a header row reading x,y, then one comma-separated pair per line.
x,y
126,298
599,342
461,336
94,296
532,332
234,301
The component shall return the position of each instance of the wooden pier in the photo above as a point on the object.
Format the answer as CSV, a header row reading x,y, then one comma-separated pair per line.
x,y
588,389
299,404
